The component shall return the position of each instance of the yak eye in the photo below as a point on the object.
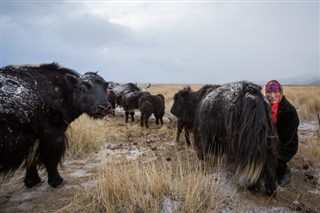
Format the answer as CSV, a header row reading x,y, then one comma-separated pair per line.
x,y
105,85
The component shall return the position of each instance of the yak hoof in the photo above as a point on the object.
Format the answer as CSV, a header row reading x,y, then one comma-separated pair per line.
x,y
271,189
55,182
31,181
271,192
254,187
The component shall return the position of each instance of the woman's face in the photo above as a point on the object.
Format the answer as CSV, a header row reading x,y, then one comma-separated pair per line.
x,y
273,97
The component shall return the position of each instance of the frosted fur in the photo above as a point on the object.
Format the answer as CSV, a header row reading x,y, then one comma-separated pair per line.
x,y
16,97
37,104
234,121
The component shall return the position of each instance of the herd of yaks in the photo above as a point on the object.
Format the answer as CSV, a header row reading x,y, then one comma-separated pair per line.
x,y
37,104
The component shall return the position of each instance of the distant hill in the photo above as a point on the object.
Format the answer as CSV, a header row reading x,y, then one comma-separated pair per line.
x,y
305,79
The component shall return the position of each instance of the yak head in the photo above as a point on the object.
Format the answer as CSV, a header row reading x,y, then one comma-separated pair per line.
x,y
180,102
90,94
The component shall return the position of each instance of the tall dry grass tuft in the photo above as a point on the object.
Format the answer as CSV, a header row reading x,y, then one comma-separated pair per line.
x,y
306,99
309,152
157,186
83,137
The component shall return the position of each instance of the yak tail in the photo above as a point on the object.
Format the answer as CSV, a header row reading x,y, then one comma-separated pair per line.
x,y
247,152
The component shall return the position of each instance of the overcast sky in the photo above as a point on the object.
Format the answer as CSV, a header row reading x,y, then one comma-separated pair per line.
x,y
165,41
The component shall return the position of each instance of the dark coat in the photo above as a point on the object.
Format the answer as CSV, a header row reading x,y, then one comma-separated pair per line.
x,y
287,127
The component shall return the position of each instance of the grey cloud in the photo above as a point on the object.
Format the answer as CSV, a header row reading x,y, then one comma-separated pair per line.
x,y
173,43
91,31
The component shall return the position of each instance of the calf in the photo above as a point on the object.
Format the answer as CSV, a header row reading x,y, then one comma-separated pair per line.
x,y
37,104
151,104
130,102
184,108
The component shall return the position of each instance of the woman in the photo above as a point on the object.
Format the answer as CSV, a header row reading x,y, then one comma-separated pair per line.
x,y
286,118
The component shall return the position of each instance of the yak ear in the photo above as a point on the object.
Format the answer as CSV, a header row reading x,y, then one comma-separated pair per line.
x,y
71,79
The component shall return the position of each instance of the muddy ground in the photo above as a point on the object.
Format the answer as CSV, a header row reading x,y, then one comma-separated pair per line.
x,y
303,195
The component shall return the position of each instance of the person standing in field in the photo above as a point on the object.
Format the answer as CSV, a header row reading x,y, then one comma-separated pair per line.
x,y
286,119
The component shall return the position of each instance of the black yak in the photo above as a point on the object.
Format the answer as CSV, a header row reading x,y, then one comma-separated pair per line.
x,y
151,104
235,121
185,103
37,103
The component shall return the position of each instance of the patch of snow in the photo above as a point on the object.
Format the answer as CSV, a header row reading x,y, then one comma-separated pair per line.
x,y
168,206
134,154
22,207
315,191
24,196
80,173
90,184
309,126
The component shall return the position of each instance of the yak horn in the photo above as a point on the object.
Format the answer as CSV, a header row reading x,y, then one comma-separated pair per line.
x,y
148,86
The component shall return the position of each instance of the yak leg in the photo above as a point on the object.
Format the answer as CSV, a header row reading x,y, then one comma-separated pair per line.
x,y
157,118
132,116
146,118
141,119
126,116
186,134
51,153
32,177
179,130
270,175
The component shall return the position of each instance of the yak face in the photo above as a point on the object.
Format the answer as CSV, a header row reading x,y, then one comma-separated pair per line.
x,y
90,94
180,101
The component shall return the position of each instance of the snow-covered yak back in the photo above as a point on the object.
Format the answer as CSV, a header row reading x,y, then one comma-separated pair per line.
x,y
37,103
185,103
234,120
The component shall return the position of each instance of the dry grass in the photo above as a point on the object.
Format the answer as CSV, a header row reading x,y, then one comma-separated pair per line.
x,y
309,152
138,186
306,99
156,186
83,137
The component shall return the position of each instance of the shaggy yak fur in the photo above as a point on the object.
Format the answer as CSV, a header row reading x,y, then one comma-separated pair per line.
x,y
37,103
235,121
151,104
185,103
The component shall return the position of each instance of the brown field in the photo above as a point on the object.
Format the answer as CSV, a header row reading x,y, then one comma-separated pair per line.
x,y
111,166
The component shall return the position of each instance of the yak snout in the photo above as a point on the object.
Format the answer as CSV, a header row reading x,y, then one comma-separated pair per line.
x,y
103,109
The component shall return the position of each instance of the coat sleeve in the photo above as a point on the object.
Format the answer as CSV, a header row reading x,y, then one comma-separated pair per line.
x,y
288,135
288,126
